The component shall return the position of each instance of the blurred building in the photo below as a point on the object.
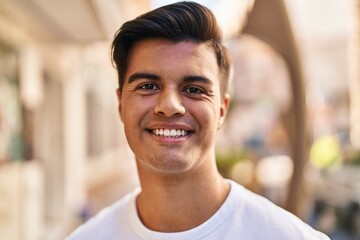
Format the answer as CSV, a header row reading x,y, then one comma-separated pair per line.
x,y
61,143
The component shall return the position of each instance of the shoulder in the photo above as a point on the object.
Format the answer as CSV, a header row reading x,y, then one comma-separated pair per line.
x,y
103,225
268,219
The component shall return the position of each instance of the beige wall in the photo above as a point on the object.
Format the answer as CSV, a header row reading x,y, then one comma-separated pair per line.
x,y
354,89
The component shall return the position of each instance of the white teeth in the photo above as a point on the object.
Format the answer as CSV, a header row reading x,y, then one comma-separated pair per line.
x,y
170,132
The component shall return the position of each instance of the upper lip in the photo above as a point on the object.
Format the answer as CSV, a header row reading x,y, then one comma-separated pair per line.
x,y
180,126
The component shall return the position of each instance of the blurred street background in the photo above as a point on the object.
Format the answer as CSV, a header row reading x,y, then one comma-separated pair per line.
x,y
292,132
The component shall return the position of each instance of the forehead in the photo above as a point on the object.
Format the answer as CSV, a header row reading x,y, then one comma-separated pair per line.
x,y
156,53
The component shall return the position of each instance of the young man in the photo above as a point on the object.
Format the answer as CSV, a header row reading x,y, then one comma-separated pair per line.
x,y
173,75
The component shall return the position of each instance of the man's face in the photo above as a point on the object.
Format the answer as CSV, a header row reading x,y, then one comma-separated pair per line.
x,y
171,104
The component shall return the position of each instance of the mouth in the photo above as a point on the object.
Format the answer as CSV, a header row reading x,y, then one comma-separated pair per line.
x,y
169,133
173,133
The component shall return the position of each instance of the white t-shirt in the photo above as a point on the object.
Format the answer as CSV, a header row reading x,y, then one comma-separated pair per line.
x,y
244,215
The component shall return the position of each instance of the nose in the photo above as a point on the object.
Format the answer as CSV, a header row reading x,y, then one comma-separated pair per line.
x,y
169,104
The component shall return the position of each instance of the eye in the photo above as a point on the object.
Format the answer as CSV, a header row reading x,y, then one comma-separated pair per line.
x,y
148,86
194,90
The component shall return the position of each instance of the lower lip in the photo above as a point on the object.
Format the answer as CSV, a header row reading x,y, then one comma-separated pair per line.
x,y
170,139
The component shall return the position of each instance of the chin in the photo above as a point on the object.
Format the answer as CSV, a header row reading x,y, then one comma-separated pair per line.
x,y
169,164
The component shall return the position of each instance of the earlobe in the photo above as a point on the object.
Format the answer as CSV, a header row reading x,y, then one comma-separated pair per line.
x,y
118,93
223,109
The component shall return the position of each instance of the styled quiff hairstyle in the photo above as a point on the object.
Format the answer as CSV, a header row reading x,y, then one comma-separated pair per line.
x,y
182,21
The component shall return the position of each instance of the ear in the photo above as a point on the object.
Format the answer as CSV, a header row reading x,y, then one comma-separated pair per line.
x,y
118,93
224,109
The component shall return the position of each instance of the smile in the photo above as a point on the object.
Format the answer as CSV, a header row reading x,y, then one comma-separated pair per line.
x,y
170,132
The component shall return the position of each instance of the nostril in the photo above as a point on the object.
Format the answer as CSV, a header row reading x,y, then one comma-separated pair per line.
x,y
169,112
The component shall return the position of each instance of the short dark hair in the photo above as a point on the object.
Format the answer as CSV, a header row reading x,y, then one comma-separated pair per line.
x,y
182,21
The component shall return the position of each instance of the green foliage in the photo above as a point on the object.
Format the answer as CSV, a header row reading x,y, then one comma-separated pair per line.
x,y
355,158
225,161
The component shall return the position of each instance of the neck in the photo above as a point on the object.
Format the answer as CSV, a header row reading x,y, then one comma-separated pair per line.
x,y
179,202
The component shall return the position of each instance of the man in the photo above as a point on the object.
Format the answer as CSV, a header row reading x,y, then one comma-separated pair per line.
x,y
173,76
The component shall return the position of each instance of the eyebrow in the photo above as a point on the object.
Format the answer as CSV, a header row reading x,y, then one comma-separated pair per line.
x,y
198,78
137,76
151,76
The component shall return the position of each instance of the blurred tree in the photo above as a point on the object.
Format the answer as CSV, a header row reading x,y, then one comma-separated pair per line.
x,y
269,21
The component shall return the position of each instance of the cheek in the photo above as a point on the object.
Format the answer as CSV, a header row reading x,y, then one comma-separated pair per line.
x,y
206,114
135,110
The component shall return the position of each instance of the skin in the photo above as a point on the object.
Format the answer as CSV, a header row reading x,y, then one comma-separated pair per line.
x,y
174,86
